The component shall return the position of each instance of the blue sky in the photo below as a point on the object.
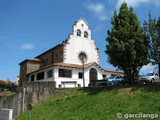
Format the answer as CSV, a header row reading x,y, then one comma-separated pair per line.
x,y
30,27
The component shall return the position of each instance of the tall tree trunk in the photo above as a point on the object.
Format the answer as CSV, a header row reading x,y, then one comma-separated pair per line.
x,y
129,76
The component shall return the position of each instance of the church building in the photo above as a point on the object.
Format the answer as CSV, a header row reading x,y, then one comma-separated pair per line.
x,y
65,63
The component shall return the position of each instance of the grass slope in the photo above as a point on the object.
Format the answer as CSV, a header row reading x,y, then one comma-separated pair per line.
x,y
98,104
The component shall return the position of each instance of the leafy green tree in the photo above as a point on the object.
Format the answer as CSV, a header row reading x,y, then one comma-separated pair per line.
x,y
127,43
2,85
152,29
7,85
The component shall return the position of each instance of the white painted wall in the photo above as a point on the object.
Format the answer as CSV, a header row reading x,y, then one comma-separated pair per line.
x,y
100,73
75,72
77,44
45,75
63,79
83,26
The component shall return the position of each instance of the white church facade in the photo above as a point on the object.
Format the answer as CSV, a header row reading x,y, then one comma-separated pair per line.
x,y
66,62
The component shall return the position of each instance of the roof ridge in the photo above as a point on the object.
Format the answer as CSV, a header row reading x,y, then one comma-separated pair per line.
x,y
83,20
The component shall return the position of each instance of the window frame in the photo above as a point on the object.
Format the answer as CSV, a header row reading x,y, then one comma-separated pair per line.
x,y
32,78
50,73
40,75
66,73
80,75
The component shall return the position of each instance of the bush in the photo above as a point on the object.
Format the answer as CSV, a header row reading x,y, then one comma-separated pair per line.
x,y
9,86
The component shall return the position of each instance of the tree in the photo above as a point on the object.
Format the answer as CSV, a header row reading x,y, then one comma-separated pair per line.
x,y
7,85
127,43
152,29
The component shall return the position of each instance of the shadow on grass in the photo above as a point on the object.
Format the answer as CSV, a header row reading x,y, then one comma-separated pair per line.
x,y
150,87
142,87
97,90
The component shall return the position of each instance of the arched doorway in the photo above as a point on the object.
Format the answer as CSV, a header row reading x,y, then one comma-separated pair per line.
x,y
92,76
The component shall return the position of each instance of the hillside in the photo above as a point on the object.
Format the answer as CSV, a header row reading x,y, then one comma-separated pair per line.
x,y
99,104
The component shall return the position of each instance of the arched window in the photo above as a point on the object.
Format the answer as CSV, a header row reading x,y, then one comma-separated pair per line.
x,y
78,32
86,34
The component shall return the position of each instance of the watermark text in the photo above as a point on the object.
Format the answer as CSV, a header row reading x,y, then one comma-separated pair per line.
x,y
137,115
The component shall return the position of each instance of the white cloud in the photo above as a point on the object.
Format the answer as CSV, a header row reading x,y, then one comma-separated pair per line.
x,y
98,9
27,46
98,28
157,3
136,3
148,68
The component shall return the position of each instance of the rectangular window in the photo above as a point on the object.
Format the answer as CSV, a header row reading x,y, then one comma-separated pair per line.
x,y
65,73
32,78
49,73
40,76
80,75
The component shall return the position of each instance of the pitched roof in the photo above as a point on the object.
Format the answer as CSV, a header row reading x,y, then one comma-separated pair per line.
x,y
32,60
59,45
36,59
4,80
68,65
112,71
61,64
83,20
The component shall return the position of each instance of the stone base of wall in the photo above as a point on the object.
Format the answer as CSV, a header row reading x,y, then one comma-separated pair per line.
x,y
32,93
14,102
37,91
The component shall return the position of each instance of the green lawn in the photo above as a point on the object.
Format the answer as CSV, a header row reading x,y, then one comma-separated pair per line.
x,y
98,104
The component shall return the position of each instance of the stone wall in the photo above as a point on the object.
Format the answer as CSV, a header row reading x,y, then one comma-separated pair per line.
x,y
13,102
32,94
47,58
51,56
26,67
37,91
1,103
